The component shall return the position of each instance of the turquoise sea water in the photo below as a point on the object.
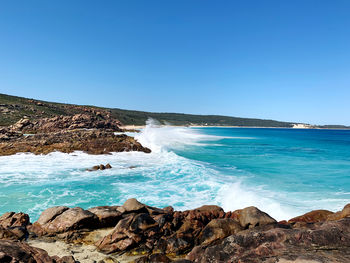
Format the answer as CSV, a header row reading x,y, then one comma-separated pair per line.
x,y
284,172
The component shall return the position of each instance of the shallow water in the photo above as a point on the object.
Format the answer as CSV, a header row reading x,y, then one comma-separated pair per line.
x,y
284,172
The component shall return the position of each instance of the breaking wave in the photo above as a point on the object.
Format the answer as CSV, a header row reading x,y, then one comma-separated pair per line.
x,y
31,183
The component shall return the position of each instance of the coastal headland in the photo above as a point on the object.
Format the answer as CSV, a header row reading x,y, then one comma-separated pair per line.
x,y
136,232
13,108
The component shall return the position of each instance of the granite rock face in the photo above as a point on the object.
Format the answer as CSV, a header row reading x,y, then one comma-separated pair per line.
x,y
322,242
89,141
61,219
94,134
58,123
251,217
13,226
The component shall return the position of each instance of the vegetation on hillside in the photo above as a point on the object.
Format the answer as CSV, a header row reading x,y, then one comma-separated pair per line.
x,y
14,108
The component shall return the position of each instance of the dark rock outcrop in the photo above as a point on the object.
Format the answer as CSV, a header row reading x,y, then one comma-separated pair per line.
x,y
13,226
58,123
108,216
91,133
341,214
312,217
99,167
12,219
252,217
89,141
219,229
204,234
326,242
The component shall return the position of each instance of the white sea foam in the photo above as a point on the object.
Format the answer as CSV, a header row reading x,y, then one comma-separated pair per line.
x,y
35,182
163,138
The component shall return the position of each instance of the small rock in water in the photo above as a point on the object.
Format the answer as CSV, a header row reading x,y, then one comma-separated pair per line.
x,y
99,167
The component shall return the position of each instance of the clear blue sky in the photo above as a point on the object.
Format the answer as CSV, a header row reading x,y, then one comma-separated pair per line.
x,y
284,60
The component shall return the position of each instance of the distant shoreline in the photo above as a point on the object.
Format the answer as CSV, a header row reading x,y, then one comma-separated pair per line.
x,y
137,127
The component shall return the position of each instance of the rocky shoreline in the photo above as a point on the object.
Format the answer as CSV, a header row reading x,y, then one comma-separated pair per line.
x,y
91,133
135,232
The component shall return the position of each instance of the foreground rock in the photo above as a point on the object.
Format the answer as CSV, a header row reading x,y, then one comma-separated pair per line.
x,y
326,242
204,234
61,219
13,226
14,251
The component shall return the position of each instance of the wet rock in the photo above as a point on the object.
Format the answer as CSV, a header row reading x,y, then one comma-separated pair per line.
x,y
107,215
219,229
99,167
252,216
312,217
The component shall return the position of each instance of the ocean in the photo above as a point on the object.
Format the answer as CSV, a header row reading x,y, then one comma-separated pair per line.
x,y
284,172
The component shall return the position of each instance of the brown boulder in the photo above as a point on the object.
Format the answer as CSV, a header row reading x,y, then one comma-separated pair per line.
x,y
13,226
205,213
12,219
62,219
252,216
120,238
218,229
326,242
341,214
67,141
107,215
13,233
129,231
21,124
312,217
132,205
142,222
50,214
